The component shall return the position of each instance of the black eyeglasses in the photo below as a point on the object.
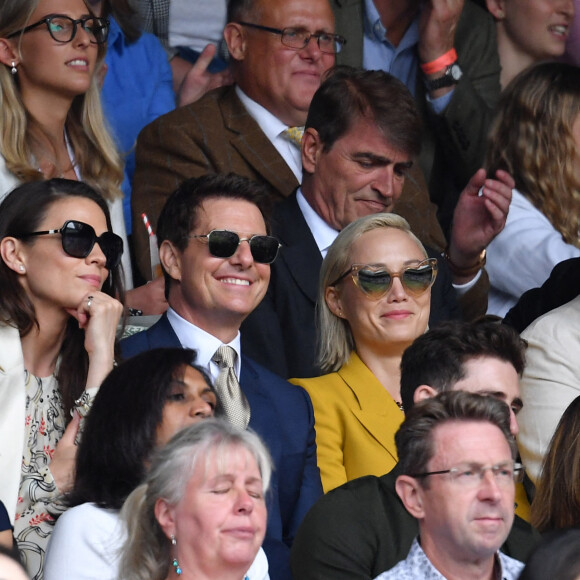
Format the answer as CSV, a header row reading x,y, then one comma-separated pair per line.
x,y
471,474
375,281
64,28
223,244
78,240
298,38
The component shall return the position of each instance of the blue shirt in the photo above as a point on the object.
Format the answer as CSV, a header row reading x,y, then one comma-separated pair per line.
x,y
418,567
400,61
138,88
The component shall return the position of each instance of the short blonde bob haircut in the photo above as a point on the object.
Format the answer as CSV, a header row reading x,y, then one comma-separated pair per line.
x,y
335,340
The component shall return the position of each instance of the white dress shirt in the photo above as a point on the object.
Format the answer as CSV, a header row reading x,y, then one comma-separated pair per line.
x,y
204,343
274,129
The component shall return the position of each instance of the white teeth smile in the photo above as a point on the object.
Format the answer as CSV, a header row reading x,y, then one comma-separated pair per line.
x,y
77,62
559,29
235,281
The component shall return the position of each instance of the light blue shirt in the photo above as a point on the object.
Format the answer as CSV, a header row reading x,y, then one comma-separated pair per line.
x,y
400,61
417,566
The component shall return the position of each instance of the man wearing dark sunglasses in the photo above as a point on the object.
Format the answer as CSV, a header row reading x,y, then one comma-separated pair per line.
x,y
363,134
216,252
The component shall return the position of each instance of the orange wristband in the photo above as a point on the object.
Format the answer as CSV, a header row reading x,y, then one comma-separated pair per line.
x,y
437,65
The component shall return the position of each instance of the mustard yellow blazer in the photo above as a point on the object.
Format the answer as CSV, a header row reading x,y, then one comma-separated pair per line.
x,y
355,420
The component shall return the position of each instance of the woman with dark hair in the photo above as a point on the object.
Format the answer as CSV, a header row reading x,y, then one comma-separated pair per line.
x,y
140,406
556,503
59,273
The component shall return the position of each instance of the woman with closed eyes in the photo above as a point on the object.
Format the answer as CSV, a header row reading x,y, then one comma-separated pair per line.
x,y
59,273
373,301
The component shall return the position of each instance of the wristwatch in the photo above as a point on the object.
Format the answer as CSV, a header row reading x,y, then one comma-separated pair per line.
x,y
451,77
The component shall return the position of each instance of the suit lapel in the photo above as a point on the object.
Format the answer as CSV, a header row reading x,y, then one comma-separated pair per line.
x,y
251,143
299,251
162,335
377,412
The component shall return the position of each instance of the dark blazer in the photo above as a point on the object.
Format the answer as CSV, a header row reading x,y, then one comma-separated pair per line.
x,y
281,332
454,142
282,415
217,135
362,528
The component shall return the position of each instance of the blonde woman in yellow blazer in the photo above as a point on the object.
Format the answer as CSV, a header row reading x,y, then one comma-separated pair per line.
x,y
374,298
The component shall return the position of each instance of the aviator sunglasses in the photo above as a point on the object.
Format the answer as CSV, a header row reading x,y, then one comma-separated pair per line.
x,y
223,244
78,240
375,281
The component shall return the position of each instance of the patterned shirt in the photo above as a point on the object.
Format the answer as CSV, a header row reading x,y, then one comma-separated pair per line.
x,y
418,567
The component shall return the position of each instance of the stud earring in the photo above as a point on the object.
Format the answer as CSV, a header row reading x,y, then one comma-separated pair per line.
x,y
175,563
21,268
13,70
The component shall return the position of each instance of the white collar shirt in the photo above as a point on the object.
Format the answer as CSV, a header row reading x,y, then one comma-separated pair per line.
x,y
205,344
324,235
274,129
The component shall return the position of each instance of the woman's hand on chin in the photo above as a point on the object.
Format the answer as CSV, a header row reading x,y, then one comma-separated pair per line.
x,y
98,314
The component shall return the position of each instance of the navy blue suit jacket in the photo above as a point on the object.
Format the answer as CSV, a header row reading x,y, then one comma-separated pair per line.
x,y
283,417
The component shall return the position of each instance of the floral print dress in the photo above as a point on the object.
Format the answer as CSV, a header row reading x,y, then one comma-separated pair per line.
x,y
38,496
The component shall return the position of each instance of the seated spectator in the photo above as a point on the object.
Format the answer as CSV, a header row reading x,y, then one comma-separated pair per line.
x,y
10,567
529,31
359,148
536,138
216,254
55,127
458,474
201,514
59,273
362,527
550,381
557,558
139,407
373,298
556,503
456,89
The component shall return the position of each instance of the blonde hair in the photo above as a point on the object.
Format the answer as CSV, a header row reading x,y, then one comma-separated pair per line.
x,y
335,340
532,139
95,153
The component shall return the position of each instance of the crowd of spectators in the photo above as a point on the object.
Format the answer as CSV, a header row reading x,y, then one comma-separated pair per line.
x,y
289,289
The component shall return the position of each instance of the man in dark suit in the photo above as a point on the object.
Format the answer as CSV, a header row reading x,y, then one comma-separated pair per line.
x,y
362,528
216,257
241,128
362,135
457,40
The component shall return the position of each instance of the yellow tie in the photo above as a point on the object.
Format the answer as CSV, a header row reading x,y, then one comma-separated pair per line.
x,y
294,135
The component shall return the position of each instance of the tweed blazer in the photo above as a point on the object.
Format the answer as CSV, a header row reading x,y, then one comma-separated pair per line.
x,y
355,420
454,142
